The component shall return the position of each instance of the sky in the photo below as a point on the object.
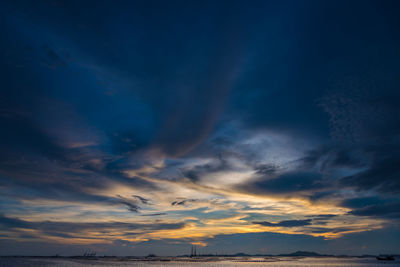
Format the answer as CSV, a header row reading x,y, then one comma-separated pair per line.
x,y
137,127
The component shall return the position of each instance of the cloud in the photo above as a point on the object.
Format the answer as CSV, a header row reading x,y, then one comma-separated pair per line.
x,y
288,223
331,157
267,169
83,230
142,199
154,214
218,164
130,204
321,219
382,173
182,202
388,208
217,123
12,222
296,183
320,230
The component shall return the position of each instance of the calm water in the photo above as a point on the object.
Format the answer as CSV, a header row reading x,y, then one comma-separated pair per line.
x,y
275,261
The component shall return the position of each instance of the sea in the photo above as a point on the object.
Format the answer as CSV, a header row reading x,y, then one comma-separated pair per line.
x,y
174,262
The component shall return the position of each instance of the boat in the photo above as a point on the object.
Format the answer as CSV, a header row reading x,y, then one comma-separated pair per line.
x,y
385,258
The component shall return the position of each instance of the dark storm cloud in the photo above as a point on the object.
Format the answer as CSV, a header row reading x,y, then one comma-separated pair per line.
x,y
335,156
382,174
71,187
64,229
286,183
384,210
361,202
313,224
381,207
375,165
288,223
322,230
12,222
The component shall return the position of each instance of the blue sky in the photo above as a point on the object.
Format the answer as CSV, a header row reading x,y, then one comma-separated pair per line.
x,y
143,127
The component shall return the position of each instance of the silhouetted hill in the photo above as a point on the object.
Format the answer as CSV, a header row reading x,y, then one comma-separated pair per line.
x,y
241,254
304,254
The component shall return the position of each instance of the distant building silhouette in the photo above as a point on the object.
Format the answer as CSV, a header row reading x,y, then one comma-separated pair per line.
x,y
89,253
193,251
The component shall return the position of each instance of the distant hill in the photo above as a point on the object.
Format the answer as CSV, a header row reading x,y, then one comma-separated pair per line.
x,y
294,254
304,254
241,254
